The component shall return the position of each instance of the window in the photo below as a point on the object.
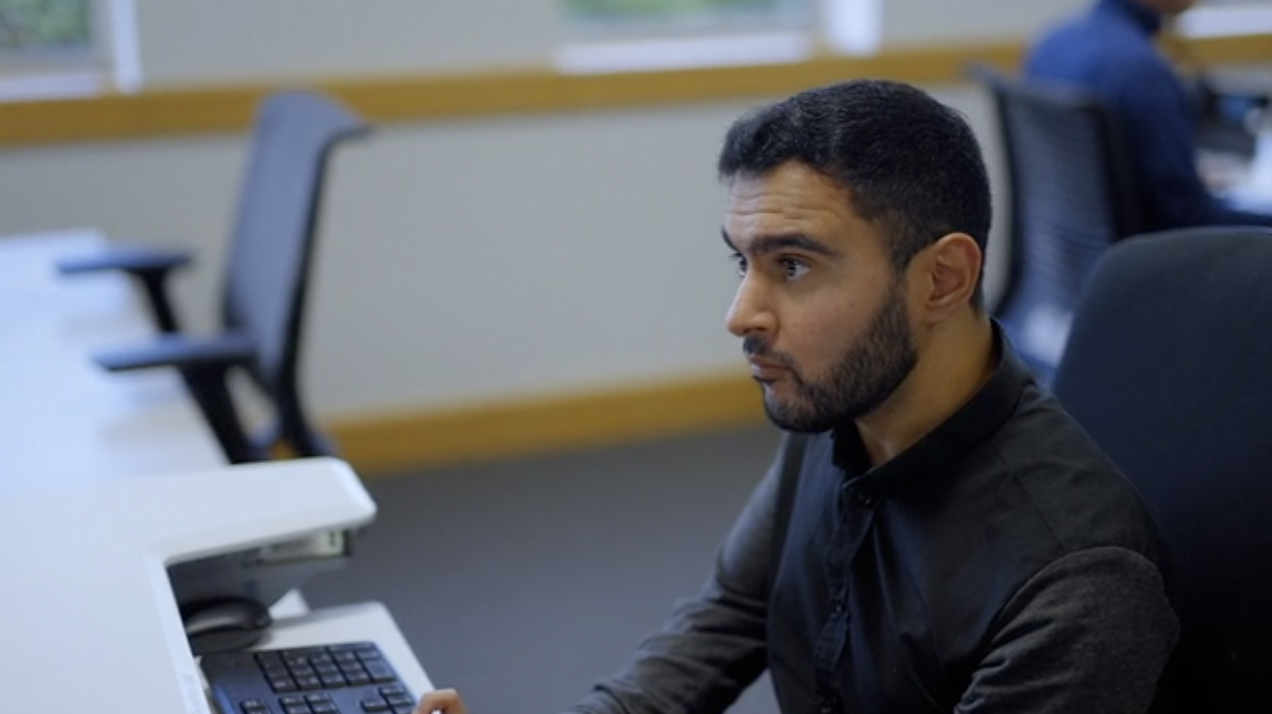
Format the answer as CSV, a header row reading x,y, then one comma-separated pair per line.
x,y
612,35
60,47
626,16
45,28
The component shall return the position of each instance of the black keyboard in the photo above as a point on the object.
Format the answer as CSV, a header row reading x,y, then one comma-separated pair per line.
x,y
349,678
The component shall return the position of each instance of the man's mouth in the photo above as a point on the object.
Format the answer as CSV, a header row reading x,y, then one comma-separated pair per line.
x,y
765,370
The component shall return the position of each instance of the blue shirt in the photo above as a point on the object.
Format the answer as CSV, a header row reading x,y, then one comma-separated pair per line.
x,y
1110,51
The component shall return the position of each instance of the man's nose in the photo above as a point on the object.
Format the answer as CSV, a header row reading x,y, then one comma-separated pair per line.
x,y
750,312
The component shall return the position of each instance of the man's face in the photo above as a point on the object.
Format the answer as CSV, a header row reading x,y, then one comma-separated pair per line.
x,y
822,314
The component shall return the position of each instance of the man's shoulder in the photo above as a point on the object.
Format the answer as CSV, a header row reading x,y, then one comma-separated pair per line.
x,y
1091,53
1070,483
1038,492
1042,440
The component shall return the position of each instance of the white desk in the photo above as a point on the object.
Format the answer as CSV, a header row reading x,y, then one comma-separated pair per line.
x,y
87,599
95,469
65,420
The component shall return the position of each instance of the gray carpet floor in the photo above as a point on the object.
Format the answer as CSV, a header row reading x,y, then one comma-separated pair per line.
x,y
522,582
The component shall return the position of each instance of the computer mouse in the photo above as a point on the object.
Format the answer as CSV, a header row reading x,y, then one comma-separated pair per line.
x,y
224,624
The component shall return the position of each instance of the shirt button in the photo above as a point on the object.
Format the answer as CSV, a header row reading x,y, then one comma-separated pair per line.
x,y
837,604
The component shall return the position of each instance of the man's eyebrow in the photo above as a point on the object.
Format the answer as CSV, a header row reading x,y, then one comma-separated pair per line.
x,y
773,244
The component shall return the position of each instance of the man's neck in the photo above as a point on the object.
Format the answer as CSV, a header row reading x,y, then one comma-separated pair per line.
x,y
1145,13
954,363
1163,11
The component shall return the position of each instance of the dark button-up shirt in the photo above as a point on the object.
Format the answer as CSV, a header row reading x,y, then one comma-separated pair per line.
x,y
1002,564
1111,52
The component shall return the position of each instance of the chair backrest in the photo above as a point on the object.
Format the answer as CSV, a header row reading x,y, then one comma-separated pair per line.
x,y
276,223
1167,367
1073,194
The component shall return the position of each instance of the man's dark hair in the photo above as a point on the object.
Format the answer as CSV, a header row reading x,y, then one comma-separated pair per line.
x,y
913,165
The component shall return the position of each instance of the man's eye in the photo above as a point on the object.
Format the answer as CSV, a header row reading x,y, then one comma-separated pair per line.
x,y
740,263
793,269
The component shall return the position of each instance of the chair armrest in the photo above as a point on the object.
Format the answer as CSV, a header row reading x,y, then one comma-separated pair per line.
x,y
149,266
204,363
184,353
132,259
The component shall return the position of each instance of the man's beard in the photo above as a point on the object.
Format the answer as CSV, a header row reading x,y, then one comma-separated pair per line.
x,y
863,379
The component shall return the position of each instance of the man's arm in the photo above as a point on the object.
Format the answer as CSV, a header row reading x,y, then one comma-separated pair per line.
x,y
1159,125
714,645
1089,633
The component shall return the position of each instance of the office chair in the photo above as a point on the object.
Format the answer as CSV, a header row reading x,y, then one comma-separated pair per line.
x,y
264,287
1073,194
1167,368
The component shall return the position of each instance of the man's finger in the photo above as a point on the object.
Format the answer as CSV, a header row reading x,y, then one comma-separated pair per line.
x,y
446,701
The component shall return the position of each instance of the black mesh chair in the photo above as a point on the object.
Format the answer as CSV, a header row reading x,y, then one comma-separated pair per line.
x,y
1073,194
265,283
1167,368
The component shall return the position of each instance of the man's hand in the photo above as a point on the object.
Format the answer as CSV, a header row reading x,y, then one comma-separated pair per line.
x,y
446,701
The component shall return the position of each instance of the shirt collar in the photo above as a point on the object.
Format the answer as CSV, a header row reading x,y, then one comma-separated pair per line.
x,y
975,422
1144,17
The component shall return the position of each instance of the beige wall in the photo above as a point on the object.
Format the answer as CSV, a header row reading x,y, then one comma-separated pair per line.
x,y
459,261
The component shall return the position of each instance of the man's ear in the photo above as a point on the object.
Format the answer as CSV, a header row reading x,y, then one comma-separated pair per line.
x,y
952,267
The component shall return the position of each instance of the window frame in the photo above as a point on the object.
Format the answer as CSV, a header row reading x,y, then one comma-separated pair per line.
x,y
784,35
110,61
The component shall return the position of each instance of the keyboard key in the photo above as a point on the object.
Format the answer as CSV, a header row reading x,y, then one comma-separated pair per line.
x,y
301,708
291,699
374,705
398,700
309,683
379,672
254,706
282,684
358,679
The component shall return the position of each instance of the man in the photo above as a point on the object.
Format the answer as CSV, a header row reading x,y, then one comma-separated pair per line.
x,y
1110,51
935,534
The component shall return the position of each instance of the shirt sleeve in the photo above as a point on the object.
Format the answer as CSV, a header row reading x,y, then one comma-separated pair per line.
x,y
1089,633
1160,127
714,645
